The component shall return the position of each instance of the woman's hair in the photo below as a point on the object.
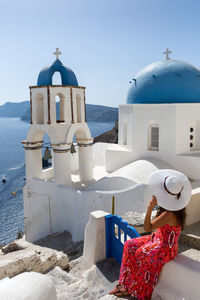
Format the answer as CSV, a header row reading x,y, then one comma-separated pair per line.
x,y
180,214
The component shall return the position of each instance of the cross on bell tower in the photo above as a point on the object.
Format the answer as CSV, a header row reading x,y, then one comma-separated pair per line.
x,y
57,53
167,52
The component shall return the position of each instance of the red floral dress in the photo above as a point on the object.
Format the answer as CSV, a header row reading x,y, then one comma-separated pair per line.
x,y
143,259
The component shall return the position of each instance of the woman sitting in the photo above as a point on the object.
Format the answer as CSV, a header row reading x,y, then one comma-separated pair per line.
x,y
144,257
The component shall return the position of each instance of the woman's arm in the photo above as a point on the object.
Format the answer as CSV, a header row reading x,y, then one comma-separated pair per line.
x,y
160,221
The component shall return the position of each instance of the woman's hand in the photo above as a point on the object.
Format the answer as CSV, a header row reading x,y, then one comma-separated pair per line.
x,y
153,202
165,218
147,221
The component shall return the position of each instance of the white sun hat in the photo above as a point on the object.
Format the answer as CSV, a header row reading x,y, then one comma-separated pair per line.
x,y
171,188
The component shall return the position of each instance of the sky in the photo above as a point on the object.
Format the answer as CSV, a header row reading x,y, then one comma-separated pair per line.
x,y
105,42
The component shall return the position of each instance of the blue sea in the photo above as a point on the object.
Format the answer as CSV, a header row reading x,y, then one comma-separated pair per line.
x,y
12,168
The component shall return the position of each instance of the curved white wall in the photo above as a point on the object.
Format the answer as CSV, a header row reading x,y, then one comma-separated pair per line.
x,y
129,175
28,286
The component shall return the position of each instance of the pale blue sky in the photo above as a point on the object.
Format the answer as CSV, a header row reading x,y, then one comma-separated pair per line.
x,y
105,42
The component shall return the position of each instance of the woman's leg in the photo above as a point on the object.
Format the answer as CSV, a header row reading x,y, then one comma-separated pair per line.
x,y
130,247
128,257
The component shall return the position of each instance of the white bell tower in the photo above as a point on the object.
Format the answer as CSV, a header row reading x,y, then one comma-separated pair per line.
x,y
60,122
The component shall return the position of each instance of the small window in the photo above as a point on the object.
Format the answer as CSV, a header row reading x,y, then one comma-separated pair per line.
x,y
191,145
191,137
154,137
191,129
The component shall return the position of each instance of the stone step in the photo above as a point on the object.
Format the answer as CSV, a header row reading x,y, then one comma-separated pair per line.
x,y
191,240
23,256
191,235
189,252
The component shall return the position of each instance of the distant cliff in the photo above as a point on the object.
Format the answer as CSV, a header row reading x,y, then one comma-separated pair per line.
x,y
98,113
101,113
13,109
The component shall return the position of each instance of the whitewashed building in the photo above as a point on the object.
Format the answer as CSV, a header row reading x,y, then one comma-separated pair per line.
x,y
159,127
162,118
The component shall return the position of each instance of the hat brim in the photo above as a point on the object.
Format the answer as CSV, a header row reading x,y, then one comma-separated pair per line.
x,y
164,199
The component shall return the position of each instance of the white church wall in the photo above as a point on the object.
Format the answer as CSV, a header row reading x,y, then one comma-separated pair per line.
x,y
78,105
37,209
126,177
183,123
63,206
36,133
118,157
125,200
99,152
85,164
174,122
47,174
60,208
94,239
193,208
75,160
62,165
125,126
142,117
189,165
187,116
81,131
33,164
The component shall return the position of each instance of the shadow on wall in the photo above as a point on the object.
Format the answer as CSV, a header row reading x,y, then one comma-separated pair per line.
x,y
112,184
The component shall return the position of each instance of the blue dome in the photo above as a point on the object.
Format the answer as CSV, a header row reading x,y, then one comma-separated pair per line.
x,y
67,75
168,81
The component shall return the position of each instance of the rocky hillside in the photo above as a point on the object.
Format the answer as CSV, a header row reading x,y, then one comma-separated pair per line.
x,y
110,136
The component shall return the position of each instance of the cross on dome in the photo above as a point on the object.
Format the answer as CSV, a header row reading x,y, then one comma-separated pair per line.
x,y
167,52
57,53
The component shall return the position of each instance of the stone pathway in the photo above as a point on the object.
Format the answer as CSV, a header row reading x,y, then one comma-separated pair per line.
x,y
74,282
78,284
62,242
21,256
95,283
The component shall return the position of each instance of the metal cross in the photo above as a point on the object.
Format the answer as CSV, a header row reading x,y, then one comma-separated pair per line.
x,y
167,52
57,53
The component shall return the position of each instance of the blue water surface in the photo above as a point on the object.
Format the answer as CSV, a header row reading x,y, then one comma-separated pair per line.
x,y
12,168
